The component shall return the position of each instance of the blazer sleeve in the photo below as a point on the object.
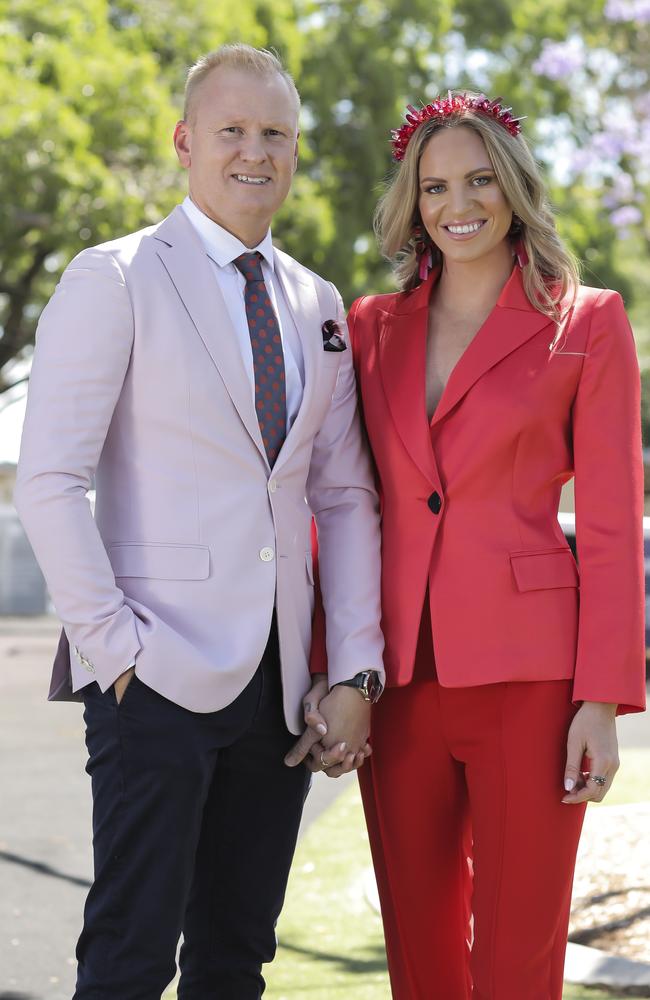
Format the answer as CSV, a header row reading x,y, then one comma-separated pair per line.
x,y
83,348
318,654
343,499
609,513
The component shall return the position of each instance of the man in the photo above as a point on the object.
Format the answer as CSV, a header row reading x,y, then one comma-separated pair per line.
x,y
199,375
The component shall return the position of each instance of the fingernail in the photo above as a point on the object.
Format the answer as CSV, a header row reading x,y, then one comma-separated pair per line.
x,y
343,747
569,784
321,728
289,761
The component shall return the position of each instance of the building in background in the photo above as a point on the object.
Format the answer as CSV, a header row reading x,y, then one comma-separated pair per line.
x,y
22,587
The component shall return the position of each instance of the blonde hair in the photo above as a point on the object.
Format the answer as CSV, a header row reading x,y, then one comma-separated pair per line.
x,y
552,271
236,55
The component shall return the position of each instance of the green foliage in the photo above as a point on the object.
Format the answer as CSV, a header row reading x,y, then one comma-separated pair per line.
x,y
83,148
91,89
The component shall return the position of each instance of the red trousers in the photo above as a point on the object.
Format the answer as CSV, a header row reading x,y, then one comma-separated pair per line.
x,y
466,780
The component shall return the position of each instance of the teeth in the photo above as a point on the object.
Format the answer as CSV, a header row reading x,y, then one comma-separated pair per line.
x,y
251,180
471,228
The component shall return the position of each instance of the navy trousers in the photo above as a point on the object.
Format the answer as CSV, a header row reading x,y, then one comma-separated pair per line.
x,y
195,821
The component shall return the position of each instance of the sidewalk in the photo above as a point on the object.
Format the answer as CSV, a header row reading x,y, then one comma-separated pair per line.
x,y
45,845
45,849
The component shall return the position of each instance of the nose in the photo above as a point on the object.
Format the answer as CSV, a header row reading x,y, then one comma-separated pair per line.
x,y
253,149
459,200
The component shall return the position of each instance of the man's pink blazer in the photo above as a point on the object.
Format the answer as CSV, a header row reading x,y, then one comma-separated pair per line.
x,y
470,500
138,382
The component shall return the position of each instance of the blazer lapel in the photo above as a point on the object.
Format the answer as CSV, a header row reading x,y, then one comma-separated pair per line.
x,y
302,300
402,361
511,323
189,268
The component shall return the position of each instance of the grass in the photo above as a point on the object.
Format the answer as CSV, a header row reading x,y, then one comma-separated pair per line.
x,y
331,944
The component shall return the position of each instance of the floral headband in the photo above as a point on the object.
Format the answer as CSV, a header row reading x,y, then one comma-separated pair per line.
x,y
444,107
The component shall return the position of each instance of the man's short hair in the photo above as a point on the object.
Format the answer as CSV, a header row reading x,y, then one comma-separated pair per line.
x,y
236,55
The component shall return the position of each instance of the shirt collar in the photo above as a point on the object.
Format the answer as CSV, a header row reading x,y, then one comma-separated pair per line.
x,y
220,245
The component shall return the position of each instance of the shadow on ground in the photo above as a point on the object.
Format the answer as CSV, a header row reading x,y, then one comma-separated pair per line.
x,y
343,963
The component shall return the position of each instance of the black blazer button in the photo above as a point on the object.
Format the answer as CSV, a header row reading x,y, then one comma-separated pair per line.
x,y
435,503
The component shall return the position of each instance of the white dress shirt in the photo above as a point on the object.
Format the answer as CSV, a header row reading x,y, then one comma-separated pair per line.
x,y
223,248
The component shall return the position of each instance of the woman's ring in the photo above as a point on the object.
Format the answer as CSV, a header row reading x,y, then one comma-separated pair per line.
x,y
598,778
323,762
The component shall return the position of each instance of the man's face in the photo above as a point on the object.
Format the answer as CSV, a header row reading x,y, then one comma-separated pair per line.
x,y
240,148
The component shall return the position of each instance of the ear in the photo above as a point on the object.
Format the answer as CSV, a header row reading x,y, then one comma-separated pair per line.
x,y
295,154
183,143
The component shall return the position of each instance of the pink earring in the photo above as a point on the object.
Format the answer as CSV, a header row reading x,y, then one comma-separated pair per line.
x,y
518,246
521,253
423,253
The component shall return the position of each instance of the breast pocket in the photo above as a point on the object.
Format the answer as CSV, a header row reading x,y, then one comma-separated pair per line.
x,y
544,569
162,561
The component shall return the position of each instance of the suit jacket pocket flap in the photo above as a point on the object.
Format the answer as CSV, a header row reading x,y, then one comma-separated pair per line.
x,y
544,570
160,562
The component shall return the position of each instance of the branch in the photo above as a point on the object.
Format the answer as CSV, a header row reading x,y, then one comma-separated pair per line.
x,y
8,388
15,335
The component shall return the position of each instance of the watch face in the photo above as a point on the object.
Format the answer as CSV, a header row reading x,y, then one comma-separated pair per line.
x,y
372,685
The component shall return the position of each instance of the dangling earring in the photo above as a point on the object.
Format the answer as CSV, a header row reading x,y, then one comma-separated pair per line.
x,y
423,252
518,246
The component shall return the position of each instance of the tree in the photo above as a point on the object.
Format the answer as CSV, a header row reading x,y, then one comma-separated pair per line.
x,y
91,90
83,151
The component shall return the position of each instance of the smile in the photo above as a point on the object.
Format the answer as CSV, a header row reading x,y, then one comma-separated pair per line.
x,y
246,179
466,229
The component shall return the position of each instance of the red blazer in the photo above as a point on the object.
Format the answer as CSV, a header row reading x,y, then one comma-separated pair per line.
x,y
470,502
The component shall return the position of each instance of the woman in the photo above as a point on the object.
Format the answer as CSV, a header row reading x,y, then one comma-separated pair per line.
x,y
489,380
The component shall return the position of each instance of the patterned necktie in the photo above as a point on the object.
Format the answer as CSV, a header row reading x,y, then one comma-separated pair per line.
x,y
268,359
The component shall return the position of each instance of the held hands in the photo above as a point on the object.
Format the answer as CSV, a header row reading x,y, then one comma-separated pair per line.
x,y
592,733
336,738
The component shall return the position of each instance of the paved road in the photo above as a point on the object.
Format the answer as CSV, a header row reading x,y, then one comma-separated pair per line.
x,y
45,852
45,855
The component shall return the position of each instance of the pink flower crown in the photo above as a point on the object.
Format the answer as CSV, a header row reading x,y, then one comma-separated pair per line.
x,y
444,107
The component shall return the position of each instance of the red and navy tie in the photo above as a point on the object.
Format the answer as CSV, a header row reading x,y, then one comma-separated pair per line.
x,y
268,359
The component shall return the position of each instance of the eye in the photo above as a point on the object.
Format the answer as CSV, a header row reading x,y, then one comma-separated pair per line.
x,y
231,129
481,181
434,188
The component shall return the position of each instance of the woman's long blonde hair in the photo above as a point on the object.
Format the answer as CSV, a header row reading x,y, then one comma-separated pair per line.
x,y
552,271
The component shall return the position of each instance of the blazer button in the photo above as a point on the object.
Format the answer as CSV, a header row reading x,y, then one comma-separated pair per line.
x,y
267,554
434,502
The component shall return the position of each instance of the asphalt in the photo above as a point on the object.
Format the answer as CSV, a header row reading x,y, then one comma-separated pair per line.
x,y
45,845
45,848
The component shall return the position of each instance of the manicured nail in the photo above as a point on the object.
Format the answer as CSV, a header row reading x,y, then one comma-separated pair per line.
x,y
321,728
569,784
343,747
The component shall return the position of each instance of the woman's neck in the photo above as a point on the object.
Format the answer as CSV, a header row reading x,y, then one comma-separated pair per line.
x,y
465,289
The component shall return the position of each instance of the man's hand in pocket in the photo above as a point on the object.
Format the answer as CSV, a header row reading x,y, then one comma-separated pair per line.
x,y
122,683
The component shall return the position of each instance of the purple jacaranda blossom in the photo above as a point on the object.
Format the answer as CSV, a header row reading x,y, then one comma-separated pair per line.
x,y
628,10
584,160
559,59
608,145
641,105
626,215
620,192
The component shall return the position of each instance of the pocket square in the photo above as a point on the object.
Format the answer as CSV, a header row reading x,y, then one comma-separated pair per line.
x,y
332,339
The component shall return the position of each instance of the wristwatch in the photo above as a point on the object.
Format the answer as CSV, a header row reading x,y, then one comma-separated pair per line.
x,y
367,684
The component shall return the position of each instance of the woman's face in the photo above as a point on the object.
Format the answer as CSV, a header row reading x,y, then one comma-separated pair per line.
x,y
462,206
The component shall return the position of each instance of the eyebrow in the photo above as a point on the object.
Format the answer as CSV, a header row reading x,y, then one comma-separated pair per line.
x,y
478,170
231,120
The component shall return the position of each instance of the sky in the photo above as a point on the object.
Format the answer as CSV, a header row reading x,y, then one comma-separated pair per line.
x,y
11,425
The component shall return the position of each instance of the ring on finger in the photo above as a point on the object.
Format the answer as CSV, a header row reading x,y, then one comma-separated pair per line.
x,y
323,762
598,779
